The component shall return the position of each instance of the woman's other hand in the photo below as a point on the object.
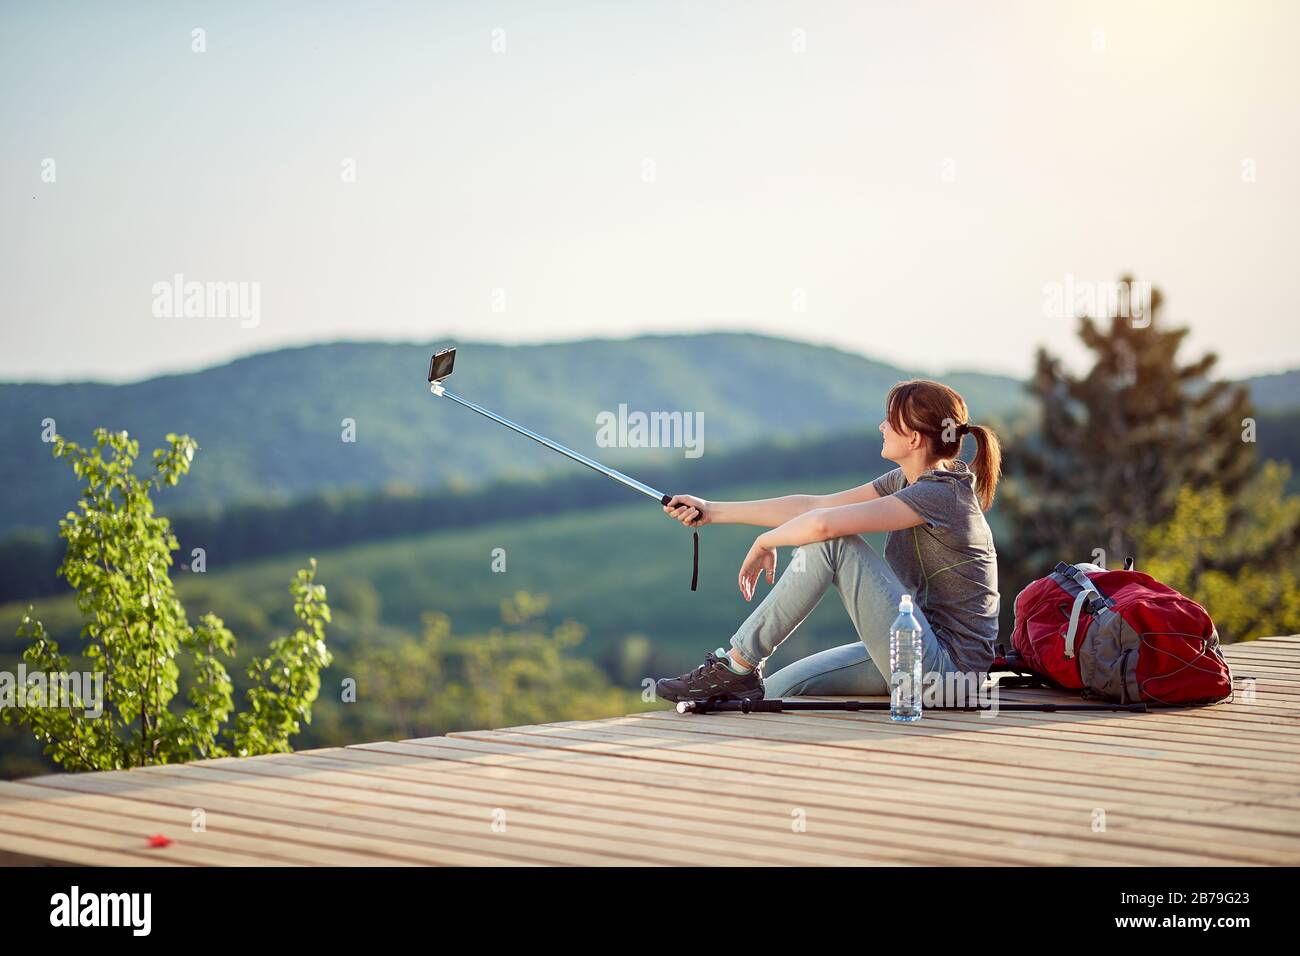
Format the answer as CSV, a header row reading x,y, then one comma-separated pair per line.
x,y
689,510
760,559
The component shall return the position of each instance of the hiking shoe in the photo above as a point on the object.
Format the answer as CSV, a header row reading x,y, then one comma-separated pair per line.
x,y
712,680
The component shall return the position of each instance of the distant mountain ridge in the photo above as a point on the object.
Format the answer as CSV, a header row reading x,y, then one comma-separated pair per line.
x,y
1277,392
271,426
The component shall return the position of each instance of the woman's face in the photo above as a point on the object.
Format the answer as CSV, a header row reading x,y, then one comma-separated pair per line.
x,y
898,445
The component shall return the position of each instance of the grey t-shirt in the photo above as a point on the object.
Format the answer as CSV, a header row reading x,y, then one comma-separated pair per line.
x,y
949,563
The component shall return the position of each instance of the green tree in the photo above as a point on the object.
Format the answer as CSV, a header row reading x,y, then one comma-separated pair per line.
x,y
118,557
1146,456
1238,556
1116,445
523,673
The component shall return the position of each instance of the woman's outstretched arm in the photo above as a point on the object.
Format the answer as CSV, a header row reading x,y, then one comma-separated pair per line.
x,y
883,514
764,512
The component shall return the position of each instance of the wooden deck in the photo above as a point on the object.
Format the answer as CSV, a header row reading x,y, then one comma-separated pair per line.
x,y
1217,785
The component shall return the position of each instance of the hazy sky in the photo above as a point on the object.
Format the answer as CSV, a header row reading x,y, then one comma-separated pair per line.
x,y
908,174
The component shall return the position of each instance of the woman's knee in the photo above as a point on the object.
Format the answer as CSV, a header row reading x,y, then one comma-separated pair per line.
x,y
829,550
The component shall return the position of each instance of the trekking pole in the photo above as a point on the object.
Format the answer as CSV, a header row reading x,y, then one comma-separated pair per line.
x,y
776,705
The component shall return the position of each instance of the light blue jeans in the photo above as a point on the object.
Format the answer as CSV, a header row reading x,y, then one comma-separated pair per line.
x,y
870,591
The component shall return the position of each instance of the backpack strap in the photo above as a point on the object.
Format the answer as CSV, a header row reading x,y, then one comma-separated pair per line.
x,y
1086,596
1083,597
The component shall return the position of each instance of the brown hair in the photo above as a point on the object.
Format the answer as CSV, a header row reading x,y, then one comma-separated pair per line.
x,y
941,416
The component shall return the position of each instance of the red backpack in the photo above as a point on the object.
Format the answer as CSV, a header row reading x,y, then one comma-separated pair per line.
x,y
1120,636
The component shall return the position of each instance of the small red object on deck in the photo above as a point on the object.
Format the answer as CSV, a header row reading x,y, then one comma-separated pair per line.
x,y
159,840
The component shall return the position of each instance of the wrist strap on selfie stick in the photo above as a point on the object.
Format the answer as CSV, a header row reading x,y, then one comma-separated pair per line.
x,y
695,547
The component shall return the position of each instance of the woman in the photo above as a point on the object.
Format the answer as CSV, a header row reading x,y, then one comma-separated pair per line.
x,y
939,549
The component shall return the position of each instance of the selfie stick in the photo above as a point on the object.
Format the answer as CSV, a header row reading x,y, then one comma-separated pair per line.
x,y
440,366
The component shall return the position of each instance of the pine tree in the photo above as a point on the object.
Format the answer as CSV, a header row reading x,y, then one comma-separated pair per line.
x,y
1117,445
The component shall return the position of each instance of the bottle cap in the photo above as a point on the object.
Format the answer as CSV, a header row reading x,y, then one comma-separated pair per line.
x,y
905,603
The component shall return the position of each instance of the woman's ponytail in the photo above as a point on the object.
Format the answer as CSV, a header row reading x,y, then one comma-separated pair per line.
x,y
987,464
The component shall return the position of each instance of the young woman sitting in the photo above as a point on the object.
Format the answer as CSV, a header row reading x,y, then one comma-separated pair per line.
x,y
939,549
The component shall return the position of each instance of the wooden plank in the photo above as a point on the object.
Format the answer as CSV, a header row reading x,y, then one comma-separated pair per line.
x,y
122,817
1264,817
81,843
541,828
1119,763
1263,655
1249,649
940,834
635,823
990,813
819,769
1271,701
857,730
595,762
415,791
641,826
1019,724
1184,726
838,771
823,790
293,831
20,849
1282,667
470,830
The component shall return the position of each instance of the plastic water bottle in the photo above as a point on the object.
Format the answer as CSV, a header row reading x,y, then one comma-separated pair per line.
x,y
906,650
